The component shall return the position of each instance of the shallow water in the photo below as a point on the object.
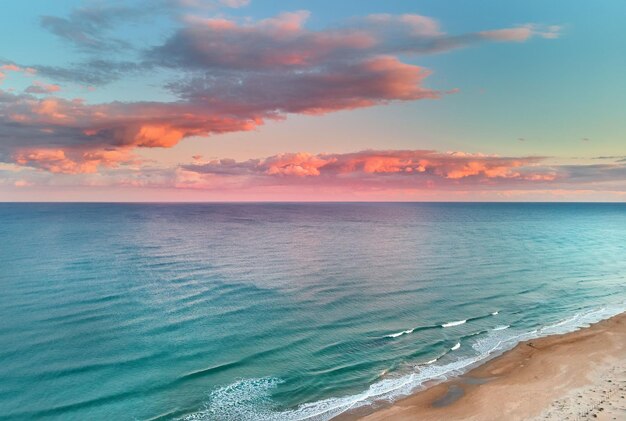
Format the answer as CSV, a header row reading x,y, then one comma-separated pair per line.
x,y
282,311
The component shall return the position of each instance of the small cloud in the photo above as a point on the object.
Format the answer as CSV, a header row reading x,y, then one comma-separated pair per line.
x,y
523,33
12,67
235,3
614,157
22,183
586,139
521,139
197,157
42,88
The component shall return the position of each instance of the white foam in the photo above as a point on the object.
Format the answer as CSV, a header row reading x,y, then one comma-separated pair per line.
x,y
248,399
501,327
455,347
450,324
395,335
581,320
495,313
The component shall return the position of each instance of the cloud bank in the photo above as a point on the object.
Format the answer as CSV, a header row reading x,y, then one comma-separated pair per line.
x,y
363,175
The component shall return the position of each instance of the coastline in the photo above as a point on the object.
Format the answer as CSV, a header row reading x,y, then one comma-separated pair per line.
x,y
575,375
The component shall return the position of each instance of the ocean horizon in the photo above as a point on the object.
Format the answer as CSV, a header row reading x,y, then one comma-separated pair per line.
x,y
283,310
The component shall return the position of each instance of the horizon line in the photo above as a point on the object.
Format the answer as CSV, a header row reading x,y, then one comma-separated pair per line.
x,y
217,202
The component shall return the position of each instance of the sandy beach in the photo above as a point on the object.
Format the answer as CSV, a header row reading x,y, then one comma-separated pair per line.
x,y
574,376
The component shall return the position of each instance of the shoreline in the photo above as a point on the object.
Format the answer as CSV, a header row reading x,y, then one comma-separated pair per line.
x,y
575,375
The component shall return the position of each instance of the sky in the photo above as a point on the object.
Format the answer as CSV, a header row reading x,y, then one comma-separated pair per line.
x,y
351,100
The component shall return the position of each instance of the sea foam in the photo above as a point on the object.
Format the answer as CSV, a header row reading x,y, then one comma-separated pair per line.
x,y
249,399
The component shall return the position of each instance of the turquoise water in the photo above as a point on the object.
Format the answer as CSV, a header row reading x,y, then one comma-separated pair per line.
x,y
282,311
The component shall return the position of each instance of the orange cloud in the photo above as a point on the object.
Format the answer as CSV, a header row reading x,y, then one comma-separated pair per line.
x,y
298,164
158,135
72,162
234,75
404,164
22,183
365,175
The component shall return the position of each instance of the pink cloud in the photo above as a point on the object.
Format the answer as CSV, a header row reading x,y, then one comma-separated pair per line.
x,y
296,164
15,68
522,33
22,183
406,164
283,42
42,88
72,161
392,175
234,76
73,125
365,175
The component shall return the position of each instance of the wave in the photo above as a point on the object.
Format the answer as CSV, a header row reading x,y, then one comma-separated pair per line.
x,y
408,331
395,335
450,324
249,399
501,327
447,324
478,332
471,319
434,360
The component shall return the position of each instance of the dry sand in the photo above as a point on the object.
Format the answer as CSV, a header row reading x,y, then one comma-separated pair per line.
x,y
575,376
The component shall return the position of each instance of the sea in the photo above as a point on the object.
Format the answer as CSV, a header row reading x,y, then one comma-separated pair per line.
x,y
283,311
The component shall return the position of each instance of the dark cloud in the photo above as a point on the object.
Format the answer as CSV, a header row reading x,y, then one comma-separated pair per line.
x,y
88,27
94,72
619,158
594,173
39,88
316,91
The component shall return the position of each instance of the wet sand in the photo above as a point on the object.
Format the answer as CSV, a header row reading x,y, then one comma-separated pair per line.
x,y
574,376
